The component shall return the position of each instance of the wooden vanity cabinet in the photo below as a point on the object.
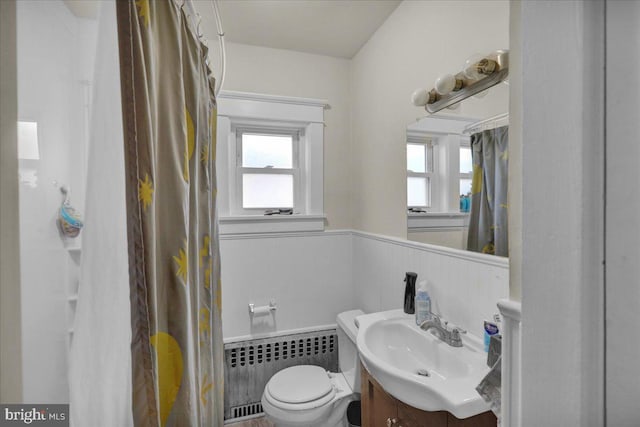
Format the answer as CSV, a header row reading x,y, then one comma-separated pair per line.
x,y
380,409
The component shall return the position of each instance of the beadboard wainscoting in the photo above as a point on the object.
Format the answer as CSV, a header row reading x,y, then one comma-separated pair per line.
x,y
313,276
464,286
308,274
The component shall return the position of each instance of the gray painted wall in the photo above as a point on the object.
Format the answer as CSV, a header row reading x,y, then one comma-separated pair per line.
x,y
623,221
562,216
10,335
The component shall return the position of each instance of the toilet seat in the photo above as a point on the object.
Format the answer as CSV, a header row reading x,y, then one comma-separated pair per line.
x,y
300,388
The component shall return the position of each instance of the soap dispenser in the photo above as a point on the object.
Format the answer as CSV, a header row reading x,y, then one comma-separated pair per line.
x,y
410,292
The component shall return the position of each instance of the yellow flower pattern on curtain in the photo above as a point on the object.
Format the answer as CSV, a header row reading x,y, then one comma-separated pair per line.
x,y
170,127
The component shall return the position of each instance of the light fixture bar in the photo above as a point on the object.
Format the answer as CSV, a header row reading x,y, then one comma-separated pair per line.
x,y
471,88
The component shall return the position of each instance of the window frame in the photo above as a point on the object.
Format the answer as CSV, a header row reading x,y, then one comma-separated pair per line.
x,y
270,113
446,136
465,142
429,174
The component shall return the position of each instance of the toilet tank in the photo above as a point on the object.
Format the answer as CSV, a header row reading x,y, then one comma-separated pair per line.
x,y
347,350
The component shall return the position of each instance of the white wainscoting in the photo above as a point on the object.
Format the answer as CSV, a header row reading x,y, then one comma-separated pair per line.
x,y
511,363
308,274
464,286
315,276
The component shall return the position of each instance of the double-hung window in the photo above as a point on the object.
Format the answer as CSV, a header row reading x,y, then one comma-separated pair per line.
x,y
269,162
419,173
466,168
439,171
268,170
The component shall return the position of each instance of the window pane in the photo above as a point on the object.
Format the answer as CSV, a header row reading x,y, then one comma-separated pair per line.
x,y
28,141
416,158
465,186
261,151
416,191
267,191
466,165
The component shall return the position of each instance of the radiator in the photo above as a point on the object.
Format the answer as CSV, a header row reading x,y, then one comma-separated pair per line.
x,y
249,365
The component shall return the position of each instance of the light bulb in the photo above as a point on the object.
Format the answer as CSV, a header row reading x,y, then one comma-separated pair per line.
x,y
479,69
486,66
447,83
470,71
420,97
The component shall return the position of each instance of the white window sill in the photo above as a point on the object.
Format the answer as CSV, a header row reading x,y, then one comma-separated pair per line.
x,y
247,224
437,220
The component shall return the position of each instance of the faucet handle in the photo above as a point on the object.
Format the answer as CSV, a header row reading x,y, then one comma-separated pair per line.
x,y
457,330
455,340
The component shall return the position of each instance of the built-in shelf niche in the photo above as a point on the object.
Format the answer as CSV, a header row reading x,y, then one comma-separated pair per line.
x,y
74,249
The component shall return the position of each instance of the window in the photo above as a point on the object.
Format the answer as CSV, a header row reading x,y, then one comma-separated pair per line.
x,y
439,166
419,173
466,169
28,141
439,171
268,172
269,162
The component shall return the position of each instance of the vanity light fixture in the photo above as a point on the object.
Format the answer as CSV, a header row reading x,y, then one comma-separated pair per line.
x,y
478,75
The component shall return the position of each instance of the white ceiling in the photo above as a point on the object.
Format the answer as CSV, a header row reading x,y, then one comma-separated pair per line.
x,y
327,27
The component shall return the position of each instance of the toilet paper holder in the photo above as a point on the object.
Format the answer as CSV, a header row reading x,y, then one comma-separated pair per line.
x,y
263,309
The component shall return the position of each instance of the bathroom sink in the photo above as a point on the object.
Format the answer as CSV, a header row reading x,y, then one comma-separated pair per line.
x,y
419,369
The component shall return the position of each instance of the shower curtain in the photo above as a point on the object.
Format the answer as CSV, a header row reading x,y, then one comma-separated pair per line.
x,y
100,354
489,207
169,116
147,346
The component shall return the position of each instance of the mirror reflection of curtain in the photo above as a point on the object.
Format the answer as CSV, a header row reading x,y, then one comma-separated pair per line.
x,y
169,113
489,207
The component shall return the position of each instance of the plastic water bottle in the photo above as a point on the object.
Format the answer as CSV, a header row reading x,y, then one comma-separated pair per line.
x,y
423,304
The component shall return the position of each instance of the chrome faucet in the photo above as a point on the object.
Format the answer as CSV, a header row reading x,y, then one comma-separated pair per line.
x,y
449,336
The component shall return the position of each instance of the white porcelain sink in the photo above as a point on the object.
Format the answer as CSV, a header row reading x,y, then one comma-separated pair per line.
x,y
398,354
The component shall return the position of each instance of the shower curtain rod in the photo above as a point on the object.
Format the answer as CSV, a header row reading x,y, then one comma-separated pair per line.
x,y
495,118
196,18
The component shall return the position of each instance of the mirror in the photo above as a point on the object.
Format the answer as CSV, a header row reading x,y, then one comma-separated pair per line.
x,y
440,172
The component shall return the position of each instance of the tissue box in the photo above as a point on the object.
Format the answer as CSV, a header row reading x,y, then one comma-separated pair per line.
x,y
495,350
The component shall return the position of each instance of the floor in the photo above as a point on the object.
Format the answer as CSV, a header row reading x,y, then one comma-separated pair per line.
x,y
255,422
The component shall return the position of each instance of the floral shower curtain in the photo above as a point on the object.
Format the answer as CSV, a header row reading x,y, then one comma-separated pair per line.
x,y
169,118
488,217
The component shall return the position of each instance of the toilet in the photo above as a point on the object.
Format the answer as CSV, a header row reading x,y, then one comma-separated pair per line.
x,y
307,395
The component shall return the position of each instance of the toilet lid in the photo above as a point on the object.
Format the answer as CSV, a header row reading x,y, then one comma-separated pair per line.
x,y
300,384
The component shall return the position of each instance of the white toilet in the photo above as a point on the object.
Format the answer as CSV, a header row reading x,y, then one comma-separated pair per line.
x,y
309,396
